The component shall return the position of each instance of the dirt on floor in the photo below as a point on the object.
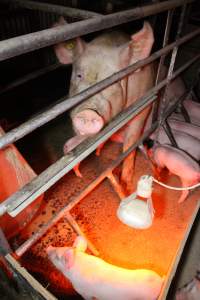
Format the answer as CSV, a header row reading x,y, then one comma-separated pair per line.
x,y
154,248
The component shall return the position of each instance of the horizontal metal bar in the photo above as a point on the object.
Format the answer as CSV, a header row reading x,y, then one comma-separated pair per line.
x,y
65,104
52,8
29,77
61,213
36,40
56,171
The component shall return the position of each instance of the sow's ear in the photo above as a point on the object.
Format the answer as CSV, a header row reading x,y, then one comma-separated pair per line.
x,y
139,47
67,51
142,42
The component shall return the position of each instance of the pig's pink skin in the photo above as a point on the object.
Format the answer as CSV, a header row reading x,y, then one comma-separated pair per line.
x,y
188,128
178,163
94,278
179,117
93,62
87,122
193,109
190,291
186,142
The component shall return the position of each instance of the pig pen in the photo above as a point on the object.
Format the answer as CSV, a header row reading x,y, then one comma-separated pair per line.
x,y
158,248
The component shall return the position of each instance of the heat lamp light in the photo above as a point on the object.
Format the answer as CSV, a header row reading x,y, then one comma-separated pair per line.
x,y
137,209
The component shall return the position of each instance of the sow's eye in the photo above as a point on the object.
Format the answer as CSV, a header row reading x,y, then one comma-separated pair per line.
x,y
79,76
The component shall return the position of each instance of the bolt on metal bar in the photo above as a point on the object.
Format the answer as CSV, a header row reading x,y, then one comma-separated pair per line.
x,y
29,77
65,104
19,200
52,8
36,40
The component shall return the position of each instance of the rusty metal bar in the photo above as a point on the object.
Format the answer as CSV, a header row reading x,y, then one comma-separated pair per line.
x,y
29,77
52,8
19,200
32,41
48,115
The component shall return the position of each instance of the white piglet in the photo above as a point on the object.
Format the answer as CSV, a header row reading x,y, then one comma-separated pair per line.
x,y
93,278
178,163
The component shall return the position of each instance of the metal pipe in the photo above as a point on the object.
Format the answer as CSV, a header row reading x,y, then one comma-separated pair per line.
x,y
36,40
170,135
16,202
29,77
172,62
48,115
52,8
161,62
76,199
62,212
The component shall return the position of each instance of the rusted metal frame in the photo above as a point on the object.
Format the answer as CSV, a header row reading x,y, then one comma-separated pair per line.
x,y
52,8
65,104
36,40
62,213
162,59
105,174
19,200
29,77
171,66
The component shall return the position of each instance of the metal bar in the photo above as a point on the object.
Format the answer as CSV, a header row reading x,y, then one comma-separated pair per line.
x,y
52,8
36,40
60,214
172,62
52,174
77,229
185,114
161,62
29,77
116,185
48,115
169,133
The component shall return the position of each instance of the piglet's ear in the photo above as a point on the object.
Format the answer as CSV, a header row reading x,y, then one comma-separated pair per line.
x,y
67,51
142,42
80,244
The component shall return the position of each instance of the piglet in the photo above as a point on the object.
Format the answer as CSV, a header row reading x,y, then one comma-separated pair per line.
x,y
185,141
188,128
178,163
93,278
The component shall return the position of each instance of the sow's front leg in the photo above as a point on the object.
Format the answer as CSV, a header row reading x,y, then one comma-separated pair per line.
x,y
132,134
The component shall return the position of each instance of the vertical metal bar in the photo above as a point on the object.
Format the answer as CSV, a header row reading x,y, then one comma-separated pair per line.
x,y
169,133
161,62
171,67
